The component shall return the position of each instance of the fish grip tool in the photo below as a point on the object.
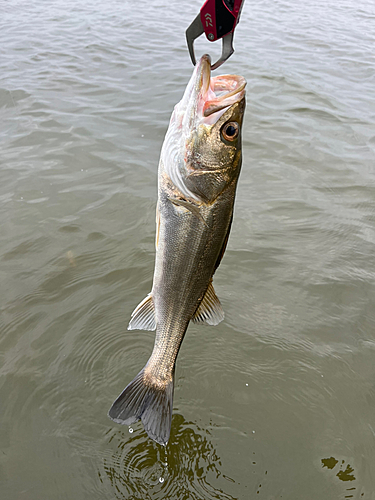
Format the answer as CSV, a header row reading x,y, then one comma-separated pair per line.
x,y
217,19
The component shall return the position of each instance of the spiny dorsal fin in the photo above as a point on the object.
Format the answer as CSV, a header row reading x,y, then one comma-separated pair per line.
x,y
143,316
210,309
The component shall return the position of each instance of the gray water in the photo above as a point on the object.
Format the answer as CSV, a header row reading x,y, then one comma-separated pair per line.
x,y
278,401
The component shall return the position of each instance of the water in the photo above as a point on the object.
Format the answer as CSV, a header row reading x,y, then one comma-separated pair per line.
x,y
278,401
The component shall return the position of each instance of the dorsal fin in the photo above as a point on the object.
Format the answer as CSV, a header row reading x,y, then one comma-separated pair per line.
x,y
209,310
143,316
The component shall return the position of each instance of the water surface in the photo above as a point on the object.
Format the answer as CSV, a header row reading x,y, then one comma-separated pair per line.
x,y
278,401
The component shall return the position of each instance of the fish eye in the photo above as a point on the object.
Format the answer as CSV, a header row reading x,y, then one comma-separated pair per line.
x,y
230,131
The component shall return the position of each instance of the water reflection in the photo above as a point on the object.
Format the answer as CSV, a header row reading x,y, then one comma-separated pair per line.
x,y
186,468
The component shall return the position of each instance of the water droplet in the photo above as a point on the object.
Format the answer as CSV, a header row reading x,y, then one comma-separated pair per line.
x,y
130,430
253,432
161,479
247,385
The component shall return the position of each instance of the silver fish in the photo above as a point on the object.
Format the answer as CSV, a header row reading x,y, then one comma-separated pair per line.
x,y
198,172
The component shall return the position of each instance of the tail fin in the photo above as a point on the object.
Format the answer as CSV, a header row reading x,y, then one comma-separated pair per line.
x,y
150,403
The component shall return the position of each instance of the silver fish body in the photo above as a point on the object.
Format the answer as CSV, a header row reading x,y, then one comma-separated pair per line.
x,y
198,173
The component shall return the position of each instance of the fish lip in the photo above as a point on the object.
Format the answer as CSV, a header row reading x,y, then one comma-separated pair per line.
x,y
233,87
204,73
217,93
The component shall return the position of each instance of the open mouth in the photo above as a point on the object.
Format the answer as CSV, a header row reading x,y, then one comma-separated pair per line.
x,y
206,99
227,90
219,92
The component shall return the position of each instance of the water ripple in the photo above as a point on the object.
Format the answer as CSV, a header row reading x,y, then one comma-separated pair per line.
x,y
86,93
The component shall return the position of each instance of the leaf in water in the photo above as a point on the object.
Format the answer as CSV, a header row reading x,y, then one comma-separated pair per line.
x,y
330,463
345,475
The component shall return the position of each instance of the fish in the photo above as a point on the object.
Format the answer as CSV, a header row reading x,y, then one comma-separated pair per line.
x,y
199,166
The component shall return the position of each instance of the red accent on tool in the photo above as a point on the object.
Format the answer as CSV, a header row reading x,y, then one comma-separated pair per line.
x,y
220,17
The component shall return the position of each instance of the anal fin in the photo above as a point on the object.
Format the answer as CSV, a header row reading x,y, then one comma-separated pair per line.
x,y
143,316
210,309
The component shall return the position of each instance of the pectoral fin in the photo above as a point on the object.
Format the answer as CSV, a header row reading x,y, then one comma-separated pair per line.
x,y
194,209
209,310
143,316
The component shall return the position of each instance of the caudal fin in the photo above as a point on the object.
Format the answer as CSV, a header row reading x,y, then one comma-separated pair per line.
x,y
150,403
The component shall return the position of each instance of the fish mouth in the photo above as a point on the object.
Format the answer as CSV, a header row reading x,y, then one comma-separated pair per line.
x,y
215,94
207,98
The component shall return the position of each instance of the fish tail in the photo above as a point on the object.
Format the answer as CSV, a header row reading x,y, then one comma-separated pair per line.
x,y
148,400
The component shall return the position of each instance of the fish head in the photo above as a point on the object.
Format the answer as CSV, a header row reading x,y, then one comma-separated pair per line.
x,y
201,152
